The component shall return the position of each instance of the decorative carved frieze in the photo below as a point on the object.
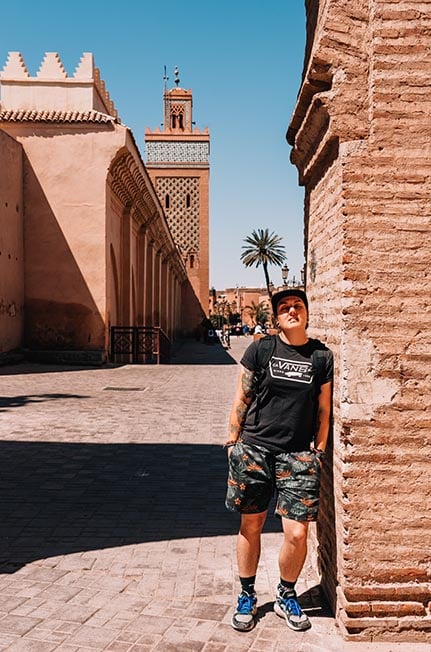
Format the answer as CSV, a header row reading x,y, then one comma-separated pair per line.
x,y
131,188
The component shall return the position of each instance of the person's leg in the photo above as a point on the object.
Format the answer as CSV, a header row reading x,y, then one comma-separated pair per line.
x,y
298,480
250,487
294,549
248,543
248,554
291,560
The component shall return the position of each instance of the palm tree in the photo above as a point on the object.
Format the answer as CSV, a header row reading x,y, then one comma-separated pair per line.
x,y
258,312
263,248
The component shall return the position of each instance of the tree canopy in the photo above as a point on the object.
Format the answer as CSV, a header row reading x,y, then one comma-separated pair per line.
x,y
263,248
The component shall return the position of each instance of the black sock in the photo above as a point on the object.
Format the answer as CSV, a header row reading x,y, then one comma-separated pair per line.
x,y
247,584
288,586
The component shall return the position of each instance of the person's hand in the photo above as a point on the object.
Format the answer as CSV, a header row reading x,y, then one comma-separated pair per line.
x,y
229,445
320,454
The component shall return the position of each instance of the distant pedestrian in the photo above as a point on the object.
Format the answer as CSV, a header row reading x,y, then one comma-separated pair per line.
x,y
279,427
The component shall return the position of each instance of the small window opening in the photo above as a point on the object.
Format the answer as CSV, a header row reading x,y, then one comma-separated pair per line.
x,y
167,201
192,261
188,200
177,121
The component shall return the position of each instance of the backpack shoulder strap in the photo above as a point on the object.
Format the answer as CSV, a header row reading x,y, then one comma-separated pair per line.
x,y
318,361
265,349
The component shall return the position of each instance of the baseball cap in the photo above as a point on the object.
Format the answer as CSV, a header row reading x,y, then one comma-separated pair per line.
x,y
278,296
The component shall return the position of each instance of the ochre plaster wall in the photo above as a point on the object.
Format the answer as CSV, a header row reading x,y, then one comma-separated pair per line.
x,y
360,135
11,246
65,289
98,250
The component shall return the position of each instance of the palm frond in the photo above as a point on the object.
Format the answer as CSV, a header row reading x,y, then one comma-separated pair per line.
x,y
258,311
263,247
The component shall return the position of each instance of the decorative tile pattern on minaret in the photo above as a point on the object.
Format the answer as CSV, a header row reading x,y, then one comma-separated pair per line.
x,y
180,153
183,220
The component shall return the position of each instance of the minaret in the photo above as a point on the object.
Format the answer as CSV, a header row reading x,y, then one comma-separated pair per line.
x,y
178,165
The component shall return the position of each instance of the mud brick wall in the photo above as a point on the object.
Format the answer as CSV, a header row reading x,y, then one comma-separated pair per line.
x,y
360,137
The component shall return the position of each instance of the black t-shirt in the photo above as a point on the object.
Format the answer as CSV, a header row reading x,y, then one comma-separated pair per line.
x,y
282,414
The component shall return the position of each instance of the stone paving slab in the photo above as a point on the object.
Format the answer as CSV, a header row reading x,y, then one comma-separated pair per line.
x,y
114,534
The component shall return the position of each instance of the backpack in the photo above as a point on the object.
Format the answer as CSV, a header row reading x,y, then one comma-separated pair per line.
x,y
266,347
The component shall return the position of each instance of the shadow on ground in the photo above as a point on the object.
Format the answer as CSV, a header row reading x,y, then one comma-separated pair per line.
x,y
187,352
184,352
24,367
63,498
8,402
312,601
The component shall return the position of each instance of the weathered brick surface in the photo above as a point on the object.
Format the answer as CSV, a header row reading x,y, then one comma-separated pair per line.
x,y
361,144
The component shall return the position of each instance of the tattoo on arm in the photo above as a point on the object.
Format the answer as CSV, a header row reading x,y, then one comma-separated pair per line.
x,y
242,403
241,411
238,421
235,430
248,383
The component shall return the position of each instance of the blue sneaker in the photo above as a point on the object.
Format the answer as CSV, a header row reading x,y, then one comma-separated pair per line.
x,y
286,606
244,617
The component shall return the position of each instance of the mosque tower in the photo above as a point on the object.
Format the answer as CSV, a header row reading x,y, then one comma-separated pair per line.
x,y
177,160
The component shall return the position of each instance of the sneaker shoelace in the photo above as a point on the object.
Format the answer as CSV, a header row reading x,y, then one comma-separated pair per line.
x,y
293,606
245,603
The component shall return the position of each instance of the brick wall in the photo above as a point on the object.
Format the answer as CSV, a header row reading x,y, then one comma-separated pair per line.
x,y
360,136
323,234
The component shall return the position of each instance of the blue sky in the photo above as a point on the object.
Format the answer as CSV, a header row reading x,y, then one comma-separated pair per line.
x,y
243,60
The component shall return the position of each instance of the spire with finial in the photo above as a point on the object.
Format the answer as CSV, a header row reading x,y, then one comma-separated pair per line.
x,y
165,78
176,73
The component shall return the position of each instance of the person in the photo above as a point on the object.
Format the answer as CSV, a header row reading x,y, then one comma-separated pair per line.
x,y
226,336
258,329
278,431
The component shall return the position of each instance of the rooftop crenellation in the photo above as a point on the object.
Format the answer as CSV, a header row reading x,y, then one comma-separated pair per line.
x,y
52,88
51,67
15,67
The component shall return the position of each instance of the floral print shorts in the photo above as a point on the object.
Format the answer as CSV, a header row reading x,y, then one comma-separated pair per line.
x,y
255,474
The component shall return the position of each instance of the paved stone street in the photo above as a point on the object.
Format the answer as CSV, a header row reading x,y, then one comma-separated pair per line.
x,y
114,534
